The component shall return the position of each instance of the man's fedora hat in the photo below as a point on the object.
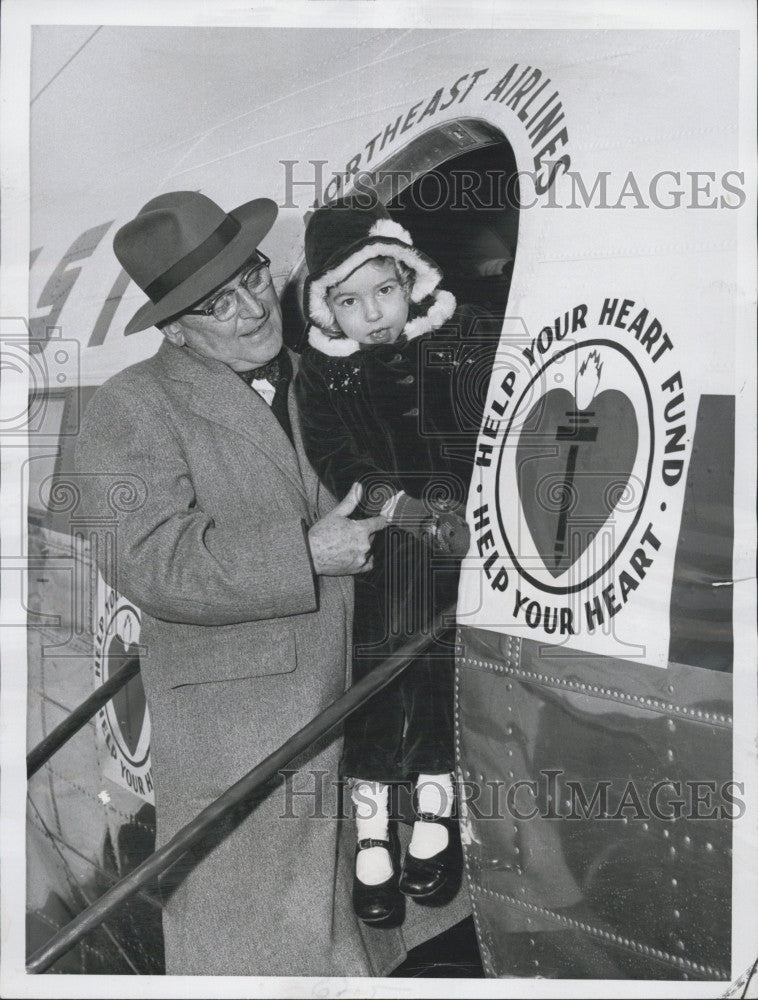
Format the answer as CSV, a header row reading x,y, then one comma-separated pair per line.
x,y
181,246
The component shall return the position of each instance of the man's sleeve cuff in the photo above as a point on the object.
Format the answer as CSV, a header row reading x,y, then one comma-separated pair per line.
x,y
306,528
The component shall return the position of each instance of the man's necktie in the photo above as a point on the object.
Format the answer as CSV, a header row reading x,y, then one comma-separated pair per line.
x,y
277,373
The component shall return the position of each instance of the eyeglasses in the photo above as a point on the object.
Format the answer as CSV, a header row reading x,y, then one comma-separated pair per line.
x,y
255,280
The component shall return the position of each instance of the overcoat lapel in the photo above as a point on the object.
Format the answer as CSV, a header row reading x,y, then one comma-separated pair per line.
x,y
214,392
309,477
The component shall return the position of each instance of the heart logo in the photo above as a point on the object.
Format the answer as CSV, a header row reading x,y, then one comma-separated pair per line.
x,y
574,460
129,702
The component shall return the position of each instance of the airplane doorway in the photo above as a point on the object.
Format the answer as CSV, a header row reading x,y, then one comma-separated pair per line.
x,y
455,189
464,214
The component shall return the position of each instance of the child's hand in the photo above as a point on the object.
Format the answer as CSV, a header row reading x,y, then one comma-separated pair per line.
x,y
446,531
412,515
452,534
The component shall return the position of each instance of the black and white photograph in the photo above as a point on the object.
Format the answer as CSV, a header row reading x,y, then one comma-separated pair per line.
x,y
378,425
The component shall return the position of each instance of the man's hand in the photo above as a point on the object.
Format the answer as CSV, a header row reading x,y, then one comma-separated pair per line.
x,y
339,546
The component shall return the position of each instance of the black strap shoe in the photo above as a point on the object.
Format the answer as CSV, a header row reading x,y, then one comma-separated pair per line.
x,y
434,881
380,905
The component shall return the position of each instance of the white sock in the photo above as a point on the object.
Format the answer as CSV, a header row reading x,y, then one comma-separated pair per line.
x,y
373,865
435,795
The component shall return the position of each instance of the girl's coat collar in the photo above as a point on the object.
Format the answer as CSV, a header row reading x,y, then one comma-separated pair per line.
x,y
439,312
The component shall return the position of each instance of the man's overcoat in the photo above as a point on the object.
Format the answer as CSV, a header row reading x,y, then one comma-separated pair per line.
x,y
240,646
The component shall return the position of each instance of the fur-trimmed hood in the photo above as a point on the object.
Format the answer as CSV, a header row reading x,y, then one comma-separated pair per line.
x,y
344,235
385,238
441,307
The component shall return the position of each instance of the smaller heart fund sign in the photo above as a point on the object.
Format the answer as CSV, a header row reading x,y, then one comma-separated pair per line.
x,y
573,466
123,723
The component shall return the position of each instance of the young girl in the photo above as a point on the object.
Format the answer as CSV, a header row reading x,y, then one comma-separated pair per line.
x,y
376,406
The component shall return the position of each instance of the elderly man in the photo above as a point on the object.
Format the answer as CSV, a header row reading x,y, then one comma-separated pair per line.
x,y
241,564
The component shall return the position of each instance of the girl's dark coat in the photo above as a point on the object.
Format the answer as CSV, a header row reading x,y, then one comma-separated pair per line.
x,y
399,417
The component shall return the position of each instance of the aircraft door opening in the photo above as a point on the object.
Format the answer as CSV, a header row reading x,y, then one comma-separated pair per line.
x,y
464,214
455,189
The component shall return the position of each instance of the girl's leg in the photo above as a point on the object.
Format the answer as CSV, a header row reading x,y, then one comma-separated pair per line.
x,y
433,863
429,745
372,864
428,698
376,896
372,740
434,797
373,734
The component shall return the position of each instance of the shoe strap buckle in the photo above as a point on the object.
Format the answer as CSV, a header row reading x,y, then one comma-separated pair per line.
x,y
366,843
429,817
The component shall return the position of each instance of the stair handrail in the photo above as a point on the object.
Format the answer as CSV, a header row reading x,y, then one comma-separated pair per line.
x,y
80,716
189,835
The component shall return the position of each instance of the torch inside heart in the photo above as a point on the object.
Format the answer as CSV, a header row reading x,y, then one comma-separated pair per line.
x,y
572,468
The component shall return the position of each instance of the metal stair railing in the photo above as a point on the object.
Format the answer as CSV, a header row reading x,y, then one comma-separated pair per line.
x,y
80,716
188,836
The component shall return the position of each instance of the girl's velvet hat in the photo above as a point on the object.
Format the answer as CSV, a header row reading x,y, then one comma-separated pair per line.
x,y
341,236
